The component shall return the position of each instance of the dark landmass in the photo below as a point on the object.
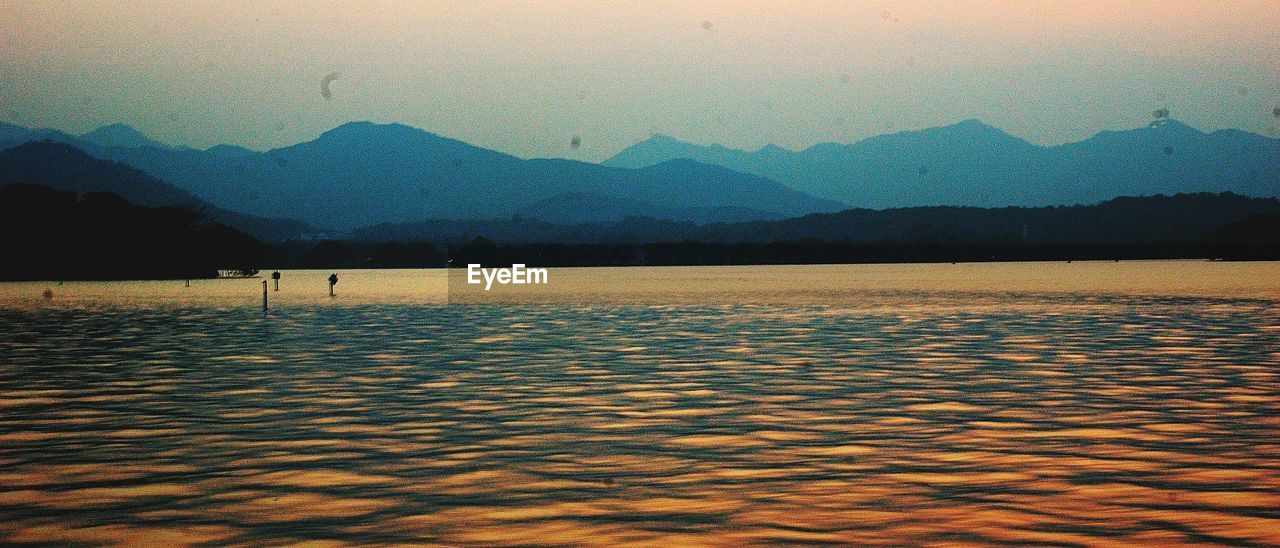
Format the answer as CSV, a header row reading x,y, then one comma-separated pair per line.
x,y
1260,230
67,168
50,234
809,252
331,254
47,234
1164,220
1185,226
444,233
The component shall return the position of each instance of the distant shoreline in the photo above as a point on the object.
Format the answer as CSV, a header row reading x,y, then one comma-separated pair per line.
x,y
782,253
691,254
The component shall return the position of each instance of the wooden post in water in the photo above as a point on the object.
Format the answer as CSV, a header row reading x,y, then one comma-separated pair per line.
x,y
275,277
264,296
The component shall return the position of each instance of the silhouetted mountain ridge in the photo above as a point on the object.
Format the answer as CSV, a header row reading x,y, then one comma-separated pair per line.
x,y
972,163
121,135
1177,220
66,168
362,173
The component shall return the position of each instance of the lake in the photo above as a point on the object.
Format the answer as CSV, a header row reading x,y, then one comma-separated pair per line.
x,y
1019,403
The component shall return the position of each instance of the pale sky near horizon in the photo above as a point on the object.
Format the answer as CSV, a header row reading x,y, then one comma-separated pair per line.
x,y
524,77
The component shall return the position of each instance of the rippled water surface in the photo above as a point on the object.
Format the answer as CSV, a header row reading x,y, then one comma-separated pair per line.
x,y
1065,404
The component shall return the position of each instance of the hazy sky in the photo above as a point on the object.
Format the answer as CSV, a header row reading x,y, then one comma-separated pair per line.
x,y
525,77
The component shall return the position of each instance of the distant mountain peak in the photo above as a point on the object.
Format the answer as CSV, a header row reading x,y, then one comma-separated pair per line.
x,y
1169,124
971,126
1163,127
659,148
364,127
407,143
973,163
773,149
365,131
121,135
663,138
230,150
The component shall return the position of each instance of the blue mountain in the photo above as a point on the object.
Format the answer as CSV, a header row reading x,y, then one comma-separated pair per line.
x,y
360,174
974,164
66,168
121,135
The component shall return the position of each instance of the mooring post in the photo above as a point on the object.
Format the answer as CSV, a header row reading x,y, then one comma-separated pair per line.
x,y
264,296
188,283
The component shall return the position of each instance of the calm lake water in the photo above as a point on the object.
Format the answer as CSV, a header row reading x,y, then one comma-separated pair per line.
x,y
1082,403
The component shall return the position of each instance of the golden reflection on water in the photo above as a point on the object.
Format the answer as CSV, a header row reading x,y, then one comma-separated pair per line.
x,y
1019,414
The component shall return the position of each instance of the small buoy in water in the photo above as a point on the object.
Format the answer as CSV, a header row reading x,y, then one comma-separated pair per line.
x,y
48,294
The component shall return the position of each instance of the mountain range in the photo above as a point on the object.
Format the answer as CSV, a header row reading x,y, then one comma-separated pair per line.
x,y
361,173
68,169
973,164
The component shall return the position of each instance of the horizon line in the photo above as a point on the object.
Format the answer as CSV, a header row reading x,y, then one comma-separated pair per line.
x,y
1152,123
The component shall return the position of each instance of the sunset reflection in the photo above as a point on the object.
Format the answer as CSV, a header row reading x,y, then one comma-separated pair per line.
x,y
1045,418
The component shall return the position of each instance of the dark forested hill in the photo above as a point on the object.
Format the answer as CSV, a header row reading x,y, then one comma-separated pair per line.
x,y
1179,219
46,234
1182,218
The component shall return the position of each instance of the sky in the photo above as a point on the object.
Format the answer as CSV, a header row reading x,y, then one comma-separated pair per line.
x,y
526,77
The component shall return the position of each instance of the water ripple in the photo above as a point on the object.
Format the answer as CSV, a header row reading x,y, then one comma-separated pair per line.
x,y
1133,421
